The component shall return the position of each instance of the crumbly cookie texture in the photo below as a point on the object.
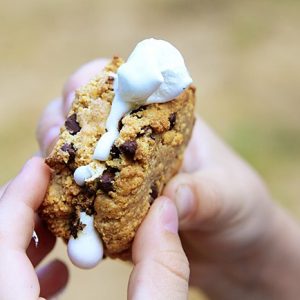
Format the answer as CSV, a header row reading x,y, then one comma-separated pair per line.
x,y
145,156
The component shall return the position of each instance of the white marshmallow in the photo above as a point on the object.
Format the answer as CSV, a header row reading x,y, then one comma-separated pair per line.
x,y
81,174
86,251
154,73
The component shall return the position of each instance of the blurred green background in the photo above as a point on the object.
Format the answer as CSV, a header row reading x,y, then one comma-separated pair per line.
x,y
242,55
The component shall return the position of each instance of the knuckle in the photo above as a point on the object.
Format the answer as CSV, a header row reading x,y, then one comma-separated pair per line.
x,y
175,263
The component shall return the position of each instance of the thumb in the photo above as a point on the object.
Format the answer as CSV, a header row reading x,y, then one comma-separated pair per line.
x,y
161,269
202,198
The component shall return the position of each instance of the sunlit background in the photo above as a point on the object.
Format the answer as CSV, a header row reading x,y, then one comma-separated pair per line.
x,y
242,55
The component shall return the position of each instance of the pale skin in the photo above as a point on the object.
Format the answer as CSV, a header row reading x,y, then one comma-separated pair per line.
x,y
235,242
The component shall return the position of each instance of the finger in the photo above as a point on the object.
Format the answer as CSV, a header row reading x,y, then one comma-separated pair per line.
x,y
21,198
205,149
46,242
53,278
49,126
17,276
161,268
80,78
3,188
205,199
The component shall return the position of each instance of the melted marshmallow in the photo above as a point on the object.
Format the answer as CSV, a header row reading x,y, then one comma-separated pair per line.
x,y
81,174
84,173
86,251
154,73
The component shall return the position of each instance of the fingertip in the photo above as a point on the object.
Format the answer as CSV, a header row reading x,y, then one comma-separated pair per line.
x,y
48,128
168,215
184,201
68,100
53,278
160,225
49,140
36,165
180,190
161,268
30,165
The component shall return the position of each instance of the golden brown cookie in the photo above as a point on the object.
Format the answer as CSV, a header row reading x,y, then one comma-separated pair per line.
x,y
147,153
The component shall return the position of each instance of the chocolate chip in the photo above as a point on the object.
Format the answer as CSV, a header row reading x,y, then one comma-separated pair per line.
x,y
154,192
107,179
88,191
115,152
75,225
120,125
110,78
172,120
144,130
141,108
72,125
69,148
129,148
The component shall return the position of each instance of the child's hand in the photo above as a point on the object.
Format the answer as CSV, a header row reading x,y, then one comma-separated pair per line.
x,y
236,238
19,200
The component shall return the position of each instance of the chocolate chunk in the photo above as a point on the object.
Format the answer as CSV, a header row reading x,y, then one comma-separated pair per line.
x,y
154,192
72,125
141,108
75,225
129,148
120,125
69,148
89,191
110,78
172,120
144,130
107,179
115,152
152,135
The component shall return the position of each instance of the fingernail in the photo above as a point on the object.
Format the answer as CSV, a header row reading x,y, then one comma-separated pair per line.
x,y
49,140
184,198
69,100
169,217
26,165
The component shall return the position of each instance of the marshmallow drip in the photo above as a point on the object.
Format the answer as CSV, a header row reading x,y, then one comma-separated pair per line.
x,y
154,73
86,250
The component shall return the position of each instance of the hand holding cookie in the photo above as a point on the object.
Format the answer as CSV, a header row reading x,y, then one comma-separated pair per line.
x,y
19,254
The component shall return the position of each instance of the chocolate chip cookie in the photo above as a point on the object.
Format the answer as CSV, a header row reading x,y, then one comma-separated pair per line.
x,y
119,191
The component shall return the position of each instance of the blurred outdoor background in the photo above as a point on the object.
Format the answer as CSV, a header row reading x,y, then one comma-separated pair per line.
x,y
242,55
